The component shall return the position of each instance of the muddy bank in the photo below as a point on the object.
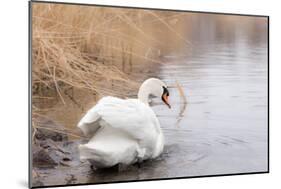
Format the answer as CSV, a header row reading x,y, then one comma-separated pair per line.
x,y
51,157
53,150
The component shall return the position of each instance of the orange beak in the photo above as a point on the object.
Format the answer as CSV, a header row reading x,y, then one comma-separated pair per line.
x,y
165,100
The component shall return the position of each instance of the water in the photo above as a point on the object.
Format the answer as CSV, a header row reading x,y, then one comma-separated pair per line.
x,y
223,128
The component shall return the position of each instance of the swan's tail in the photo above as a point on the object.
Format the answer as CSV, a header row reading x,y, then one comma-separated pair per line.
x,y
110,146
96,157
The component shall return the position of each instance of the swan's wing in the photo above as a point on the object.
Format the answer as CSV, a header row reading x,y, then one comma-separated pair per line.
x,y
89,124
109,147
130,116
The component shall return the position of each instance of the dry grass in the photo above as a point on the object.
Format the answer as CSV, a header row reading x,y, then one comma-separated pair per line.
x,y
79,47
87,48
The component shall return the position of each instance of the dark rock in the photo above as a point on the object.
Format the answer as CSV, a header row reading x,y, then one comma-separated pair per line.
x,y
45,131
45,143
42,158
48,154
52,145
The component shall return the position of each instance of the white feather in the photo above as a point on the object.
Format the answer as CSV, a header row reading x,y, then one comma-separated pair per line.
x,y
122,131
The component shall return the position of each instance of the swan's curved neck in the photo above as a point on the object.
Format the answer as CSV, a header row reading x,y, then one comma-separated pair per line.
x,y
149,87
143,93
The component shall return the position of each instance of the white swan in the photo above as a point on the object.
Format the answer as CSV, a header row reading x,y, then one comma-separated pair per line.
x,y
124,131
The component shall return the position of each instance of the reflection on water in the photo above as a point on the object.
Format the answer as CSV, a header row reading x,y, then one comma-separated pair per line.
x,y
224,129
223,73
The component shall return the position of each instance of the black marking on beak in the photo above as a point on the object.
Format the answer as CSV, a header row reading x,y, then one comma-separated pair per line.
x,y
165,96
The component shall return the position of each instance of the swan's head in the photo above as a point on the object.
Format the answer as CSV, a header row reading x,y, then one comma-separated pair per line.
x,y
154,87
